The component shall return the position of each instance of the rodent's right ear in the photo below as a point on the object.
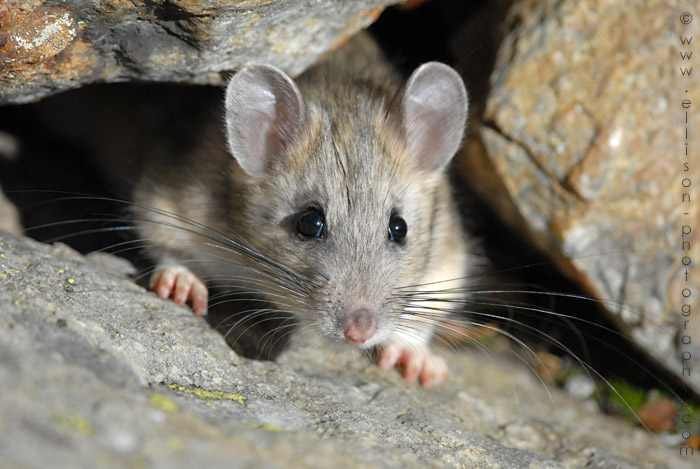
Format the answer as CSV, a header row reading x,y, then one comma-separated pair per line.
x,y
264,110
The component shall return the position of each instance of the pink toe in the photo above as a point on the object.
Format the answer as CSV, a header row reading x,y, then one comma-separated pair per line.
x,y
182,290
155,280
389,355
411,367
165,289
199,299
434,372
163,283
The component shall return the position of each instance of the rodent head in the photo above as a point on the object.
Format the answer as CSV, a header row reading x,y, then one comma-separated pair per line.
x,y
346,189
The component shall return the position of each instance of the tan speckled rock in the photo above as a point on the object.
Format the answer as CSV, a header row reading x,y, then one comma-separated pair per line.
x,y
48,46
586,130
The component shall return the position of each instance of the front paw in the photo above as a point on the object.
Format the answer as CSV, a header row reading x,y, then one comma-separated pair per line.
x,y
182,285
414,361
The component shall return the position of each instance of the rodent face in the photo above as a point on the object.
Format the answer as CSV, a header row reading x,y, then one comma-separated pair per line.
x,y
344,165
358,181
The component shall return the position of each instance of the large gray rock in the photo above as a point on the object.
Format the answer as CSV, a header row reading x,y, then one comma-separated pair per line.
x,y
98,372
48,46
586,134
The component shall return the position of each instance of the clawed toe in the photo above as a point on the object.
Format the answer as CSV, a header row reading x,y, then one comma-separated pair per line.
x,y
415,362
183,286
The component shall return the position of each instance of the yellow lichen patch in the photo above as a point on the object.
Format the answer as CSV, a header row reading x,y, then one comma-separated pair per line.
x,y
175,443
210,395
60,271
137,462
3,275
74,423
270,427
163,403
71,281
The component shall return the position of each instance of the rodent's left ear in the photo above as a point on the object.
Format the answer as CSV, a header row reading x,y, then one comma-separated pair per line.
x,y
433,114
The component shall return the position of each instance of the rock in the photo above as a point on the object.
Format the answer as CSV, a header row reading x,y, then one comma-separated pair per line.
x,y
96,371
47,46
586,133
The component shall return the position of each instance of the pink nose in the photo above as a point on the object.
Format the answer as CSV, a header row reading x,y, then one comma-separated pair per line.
x,y
360,326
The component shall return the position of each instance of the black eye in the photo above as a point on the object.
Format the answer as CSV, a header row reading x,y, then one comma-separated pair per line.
x,y
311,224
397,229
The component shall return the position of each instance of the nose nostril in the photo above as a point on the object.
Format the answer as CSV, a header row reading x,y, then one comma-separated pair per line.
x,y
360,326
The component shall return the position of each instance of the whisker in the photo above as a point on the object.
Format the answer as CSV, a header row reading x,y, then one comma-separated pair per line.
x,y
467,300
204,232
587,368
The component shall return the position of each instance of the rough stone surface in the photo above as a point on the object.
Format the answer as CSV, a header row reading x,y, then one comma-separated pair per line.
x,y
98,372
48,45
585,129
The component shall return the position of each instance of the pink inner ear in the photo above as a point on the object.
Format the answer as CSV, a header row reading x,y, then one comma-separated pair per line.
x,y
272,144
423,138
